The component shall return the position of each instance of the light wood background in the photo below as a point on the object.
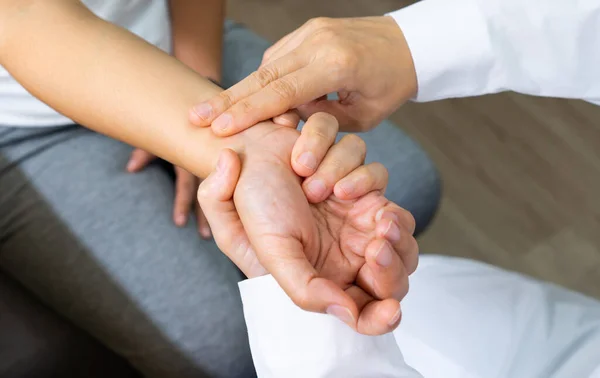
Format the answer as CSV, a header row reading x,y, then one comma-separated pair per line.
x,y
521,174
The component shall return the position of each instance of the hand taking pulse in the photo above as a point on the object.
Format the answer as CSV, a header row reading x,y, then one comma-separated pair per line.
x,y
360,242
365,60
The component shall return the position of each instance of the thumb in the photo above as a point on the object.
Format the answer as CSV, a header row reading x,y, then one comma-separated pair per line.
x,y
138,160
215,197
285,259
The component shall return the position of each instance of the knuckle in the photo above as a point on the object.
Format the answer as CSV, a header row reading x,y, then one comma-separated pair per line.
x,y
335,167
319,22
264,76
202,193
227,98
267,54
342,61
285,89
402,290
356,142
245,106
409,221
413,258
319,133
342,56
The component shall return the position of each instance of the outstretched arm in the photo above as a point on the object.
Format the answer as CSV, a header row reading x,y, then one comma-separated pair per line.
x,y
108,79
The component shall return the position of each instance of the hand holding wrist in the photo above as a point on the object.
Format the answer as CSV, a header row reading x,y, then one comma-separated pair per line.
x,y
366,60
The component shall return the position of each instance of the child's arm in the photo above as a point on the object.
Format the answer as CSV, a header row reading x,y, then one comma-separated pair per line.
x,y
198,34
108,79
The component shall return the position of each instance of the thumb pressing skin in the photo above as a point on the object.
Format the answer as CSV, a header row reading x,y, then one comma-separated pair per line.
x,y
215,197
285,259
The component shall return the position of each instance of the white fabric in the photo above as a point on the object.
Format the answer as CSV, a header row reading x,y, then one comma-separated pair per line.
x,y
461,319
146,18
473,47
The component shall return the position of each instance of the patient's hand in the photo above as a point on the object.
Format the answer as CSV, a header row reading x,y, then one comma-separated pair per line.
x,y
348,257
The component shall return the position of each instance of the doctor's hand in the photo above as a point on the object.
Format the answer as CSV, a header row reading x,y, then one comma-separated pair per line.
x,y
362,244
365,60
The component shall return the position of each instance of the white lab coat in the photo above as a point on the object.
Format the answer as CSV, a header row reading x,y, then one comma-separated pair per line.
x,y
461,319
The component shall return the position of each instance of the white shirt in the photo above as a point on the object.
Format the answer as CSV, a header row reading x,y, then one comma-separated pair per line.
x,y
287,342
473,47
461,319
147,18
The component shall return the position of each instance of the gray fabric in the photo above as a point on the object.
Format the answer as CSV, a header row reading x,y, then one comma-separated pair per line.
x,y
35,342
98,244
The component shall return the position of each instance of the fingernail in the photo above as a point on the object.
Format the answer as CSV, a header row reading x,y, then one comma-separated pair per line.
x,y
394,319
222,122
308,160
180,219
341,313
316,187
347,187
203,110
392,233
384,255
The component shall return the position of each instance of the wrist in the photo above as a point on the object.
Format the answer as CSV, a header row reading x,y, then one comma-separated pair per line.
x,y
409,84
268,140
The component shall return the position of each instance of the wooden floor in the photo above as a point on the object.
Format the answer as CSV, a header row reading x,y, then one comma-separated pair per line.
x,y
521,174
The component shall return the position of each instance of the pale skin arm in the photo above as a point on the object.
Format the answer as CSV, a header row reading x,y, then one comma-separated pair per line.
x,y
89,70
113,82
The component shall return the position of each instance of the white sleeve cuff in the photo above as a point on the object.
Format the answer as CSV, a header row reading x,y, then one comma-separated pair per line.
x,y
289,342
451,49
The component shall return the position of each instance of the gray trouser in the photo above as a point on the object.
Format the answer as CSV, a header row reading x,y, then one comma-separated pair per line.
x,y
98,244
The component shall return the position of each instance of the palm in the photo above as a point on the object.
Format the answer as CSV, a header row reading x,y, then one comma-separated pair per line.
x,y
328,257
332,235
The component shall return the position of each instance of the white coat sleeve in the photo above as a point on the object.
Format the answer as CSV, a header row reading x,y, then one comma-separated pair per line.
x,y
288,342
472,47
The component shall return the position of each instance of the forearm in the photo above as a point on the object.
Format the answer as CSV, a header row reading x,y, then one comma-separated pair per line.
x,y
111,81
198,34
